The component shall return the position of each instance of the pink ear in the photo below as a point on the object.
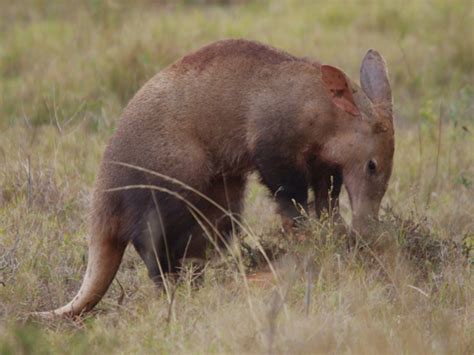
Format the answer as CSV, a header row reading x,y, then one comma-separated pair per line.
x,y
336,83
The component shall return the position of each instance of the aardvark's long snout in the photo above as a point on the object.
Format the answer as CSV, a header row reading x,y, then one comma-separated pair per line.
x,y
365,227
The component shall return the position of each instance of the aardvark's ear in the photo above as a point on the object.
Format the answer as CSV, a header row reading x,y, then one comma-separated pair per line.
x,y
339,89
374,80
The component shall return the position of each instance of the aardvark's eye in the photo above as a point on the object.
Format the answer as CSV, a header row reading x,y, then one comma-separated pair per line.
x,y
371,167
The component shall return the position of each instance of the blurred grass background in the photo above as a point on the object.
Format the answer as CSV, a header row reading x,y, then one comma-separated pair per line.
x,y
85,60
67,69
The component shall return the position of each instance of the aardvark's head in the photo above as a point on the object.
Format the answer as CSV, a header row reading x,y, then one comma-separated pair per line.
x,y
365,146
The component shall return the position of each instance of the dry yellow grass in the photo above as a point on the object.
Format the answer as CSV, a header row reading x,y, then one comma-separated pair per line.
x,y
67,70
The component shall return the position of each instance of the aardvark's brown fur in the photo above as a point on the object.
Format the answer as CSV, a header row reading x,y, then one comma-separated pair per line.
x,y
208,120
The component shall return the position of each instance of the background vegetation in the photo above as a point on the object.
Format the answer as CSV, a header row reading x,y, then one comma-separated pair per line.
x,y
67,69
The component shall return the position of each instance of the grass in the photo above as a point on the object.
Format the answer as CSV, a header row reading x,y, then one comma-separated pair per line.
x,y
66,73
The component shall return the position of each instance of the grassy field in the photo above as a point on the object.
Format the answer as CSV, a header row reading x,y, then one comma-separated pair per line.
x,y
66,71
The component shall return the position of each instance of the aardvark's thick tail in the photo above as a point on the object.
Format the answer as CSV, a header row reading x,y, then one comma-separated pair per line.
x,y
105,255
